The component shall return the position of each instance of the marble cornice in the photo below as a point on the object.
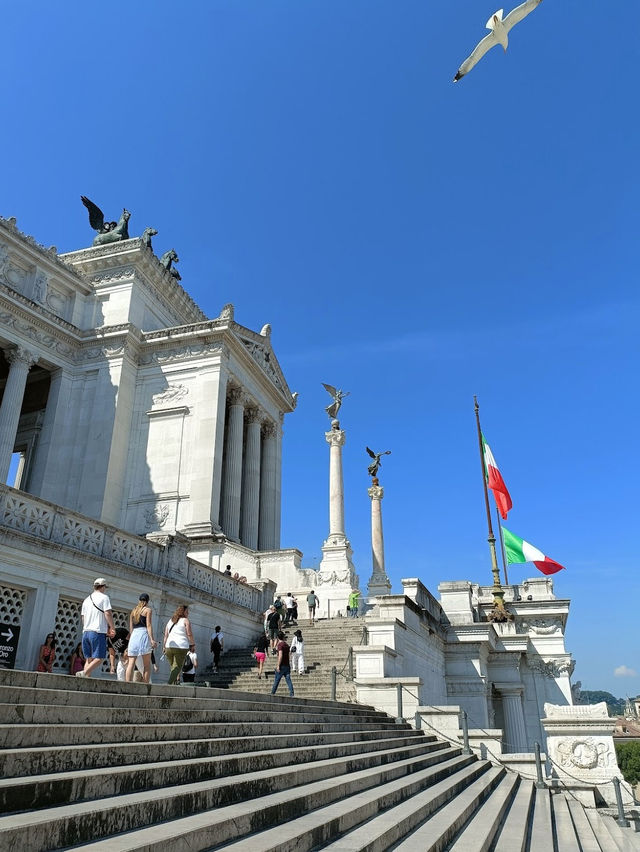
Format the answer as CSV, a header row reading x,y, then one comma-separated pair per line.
x,y
51,340
41,254
37,313
100,266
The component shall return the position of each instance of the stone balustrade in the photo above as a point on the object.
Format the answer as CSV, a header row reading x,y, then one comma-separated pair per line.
x,y
159,555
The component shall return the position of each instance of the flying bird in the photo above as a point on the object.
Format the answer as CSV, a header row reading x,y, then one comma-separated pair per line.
x,y
499,34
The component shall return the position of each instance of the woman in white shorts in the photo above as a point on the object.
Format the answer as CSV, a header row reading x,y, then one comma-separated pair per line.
x,y
141,641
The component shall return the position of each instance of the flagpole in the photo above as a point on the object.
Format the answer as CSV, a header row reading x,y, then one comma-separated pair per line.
x,y
499,613
504,556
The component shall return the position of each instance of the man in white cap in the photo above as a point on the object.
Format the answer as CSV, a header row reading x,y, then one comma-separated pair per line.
x,y
97,624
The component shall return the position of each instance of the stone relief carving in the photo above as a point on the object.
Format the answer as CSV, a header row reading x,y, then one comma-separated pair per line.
x,y
11,225
332,578
48,341
156,516
551,668
262,356
181,353
171,394
542,626
227,313
4,261
584,753
40,287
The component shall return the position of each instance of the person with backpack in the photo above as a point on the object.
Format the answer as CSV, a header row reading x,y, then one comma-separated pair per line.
x,y
97,624
217,647
273,627
189,667
178,639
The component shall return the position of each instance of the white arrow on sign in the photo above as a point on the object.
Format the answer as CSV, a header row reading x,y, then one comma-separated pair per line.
x,y
8,634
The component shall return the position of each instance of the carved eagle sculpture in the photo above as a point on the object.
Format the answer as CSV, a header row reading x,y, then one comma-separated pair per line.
x,y
375,464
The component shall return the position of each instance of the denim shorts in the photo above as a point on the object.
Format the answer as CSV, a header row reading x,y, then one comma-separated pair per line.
x,y
94,645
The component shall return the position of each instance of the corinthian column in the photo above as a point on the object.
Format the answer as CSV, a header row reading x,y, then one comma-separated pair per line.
x,y
336,439
379,584
233,465
21,361
267,526
251,481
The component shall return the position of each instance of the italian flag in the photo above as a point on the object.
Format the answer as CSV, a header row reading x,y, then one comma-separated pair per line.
x,y
518,550
495,481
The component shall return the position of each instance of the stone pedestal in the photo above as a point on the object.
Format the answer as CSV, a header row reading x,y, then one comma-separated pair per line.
x,y
580,748
379,584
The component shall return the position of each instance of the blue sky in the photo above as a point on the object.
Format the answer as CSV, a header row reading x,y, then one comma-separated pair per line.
x,y
410,240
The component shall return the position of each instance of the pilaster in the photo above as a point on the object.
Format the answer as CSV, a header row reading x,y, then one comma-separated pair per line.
x,y
21,360
251,481
232,488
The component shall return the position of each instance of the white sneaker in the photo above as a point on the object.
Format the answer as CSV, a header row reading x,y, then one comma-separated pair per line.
x,y
79,674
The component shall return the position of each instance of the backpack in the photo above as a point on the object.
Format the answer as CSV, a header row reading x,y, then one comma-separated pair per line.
x,y
188,663
215,644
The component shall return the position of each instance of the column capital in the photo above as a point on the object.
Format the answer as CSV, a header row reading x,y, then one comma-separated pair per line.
x,y
20,355
253,414
336,437
236,396
376,492
269,429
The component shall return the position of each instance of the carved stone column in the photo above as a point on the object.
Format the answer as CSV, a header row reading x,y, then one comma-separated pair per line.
x,y
233,465
266,536
379,584
21,361
515,731
249,515
336,439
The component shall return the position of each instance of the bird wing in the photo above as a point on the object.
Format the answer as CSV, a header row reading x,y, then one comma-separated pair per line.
x,y
479,51
371,453
330,389
516,15
96,216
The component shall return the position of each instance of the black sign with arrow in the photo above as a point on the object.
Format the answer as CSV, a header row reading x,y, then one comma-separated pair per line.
x,y
9,635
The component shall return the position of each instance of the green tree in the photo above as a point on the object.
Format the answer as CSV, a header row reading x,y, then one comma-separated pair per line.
x,y
628,755
615,706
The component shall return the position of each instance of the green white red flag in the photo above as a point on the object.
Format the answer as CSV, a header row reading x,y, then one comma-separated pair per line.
x,y
495,481
518,550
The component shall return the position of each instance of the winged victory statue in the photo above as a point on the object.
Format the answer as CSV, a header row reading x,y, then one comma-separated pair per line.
x,y
338,395
375,464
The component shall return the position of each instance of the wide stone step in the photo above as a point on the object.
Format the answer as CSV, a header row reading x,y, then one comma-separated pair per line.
x,y
15,763
308,815
435,833
541,827
481,829
515,827
610,836
565,832
293,791
588,840
29,736
43,714
61,787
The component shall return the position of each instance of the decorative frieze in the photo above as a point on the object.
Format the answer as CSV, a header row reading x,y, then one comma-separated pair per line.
x,y
553,669
180,353
172,394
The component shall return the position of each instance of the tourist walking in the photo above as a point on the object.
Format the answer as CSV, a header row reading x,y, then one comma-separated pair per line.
x,y
260,652
117,648
273,628
189,667
354,598
217,647
76,663
290,605
312,603
97,624
178,639
47,654
297,652
141,641
283,667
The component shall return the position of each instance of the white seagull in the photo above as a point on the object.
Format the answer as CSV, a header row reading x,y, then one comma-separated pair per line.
x,y
499,34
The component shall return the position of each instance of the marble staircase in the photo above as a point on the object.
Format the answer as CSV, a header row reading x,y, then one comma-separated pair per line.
x,y
327,644
101,765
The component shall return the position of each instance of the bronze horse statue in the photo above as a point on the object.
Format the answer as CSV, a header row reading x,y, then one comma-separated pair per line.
x,y
108,232
167,259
